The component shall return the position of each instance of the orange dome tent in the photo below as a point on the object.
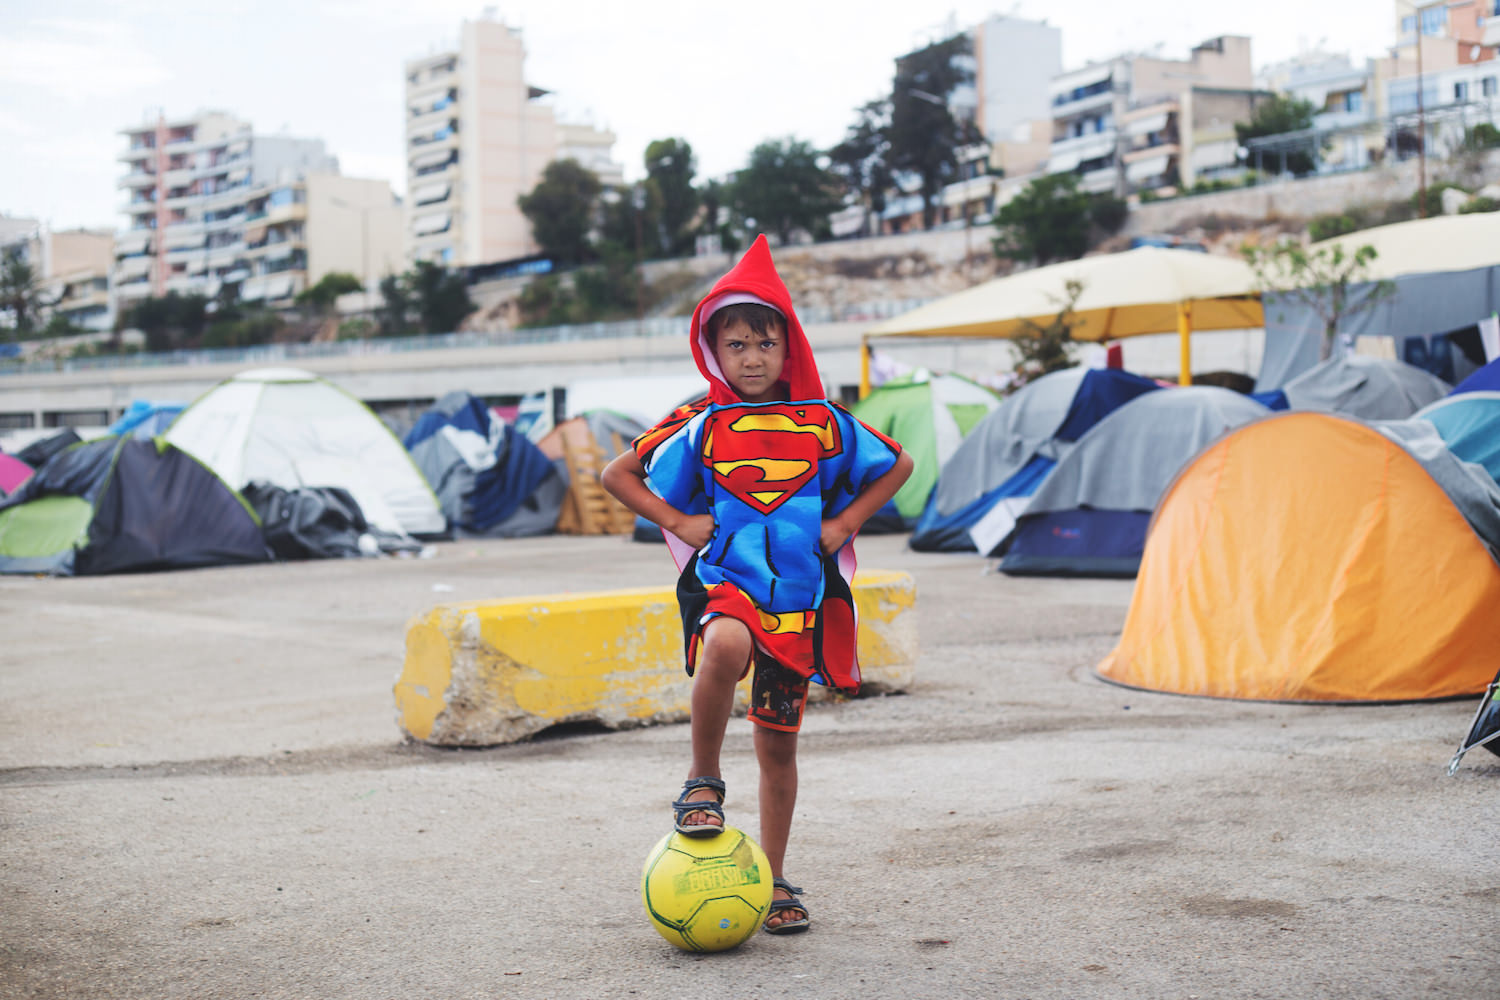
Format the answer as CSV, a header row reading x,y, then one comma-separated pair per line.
x,y
1312,557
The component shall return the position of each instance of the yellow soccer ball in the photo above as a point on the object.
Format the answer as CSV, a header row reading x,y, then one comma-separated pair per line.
x,y
707,893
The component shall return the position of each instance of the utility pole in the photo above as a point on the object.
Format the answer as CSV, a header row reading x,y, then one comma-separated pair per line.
x,y
1421,129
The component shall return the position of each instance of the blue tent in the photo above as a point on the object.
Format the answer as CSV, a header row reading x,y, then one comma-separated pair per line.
x,y
1486,379
490,480
1469,424
1011,452
1090,517
144,419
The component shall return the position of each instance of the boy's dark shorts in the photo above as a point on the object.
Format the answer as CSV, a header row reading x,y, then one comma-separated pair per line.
x,y
777,695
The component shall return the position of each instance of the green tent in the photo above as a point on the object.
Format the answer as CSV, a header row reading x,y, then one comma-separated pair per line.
x,y
121,505
929,415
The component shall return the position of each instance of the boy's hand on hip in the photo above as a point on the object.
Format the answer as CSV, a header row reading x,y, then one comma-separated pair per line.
x,y
835,534
695,529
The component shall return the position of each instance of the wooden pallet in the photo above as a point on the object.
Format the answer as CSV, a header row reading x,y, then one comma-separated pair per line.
x,y
588,509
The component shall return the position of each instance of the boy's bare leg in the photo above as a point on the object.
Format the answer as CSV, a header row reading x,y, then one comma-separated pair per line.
x,y
722,658
776,750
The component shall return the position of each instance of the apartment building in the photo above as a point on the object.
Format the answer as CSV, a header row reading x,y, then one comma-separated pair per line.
x,y
1015,61
478,137
71,268
185,200
209,203
1137,121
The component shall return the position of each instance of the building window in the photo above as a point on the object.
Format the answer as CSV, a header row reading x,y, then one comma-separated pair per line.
x,y
1354,101
1434,19
1408,24
1461,90
1488,87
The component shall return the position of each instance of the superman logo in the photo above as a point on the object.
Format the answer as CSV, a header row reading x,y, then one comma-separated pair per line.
x,y
763,455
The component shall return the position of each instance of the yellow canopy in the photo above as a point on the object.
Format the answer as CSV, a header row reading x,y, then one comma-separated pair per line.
x,y
1146,290
1124,294
1421,246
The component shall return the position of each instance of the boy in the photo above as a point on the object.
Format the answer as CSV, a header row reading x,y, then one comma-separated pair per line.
x,y
760,490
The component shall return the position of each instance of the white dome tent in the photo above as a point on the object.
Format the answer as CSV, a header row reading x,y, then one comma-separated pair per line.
x,y
293,429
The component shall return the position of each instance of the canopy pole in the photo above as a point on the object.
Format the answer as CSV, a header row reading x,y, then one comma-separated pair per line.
x,y
864,366
1184,343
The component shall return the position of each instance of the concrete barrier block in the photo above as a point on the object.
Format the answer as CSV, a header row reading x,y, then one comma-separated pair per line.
x,y
488,672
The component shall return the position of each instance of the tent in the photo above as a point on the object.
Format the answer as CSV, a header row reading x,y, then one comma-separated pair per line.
x,y
1010,452
13,472
1090,516
928,415
1484,731
121,504
1313,557
1469,424
1445,275
1486,379
490,480
1146,290
292,429
1359,386
581,446
145,419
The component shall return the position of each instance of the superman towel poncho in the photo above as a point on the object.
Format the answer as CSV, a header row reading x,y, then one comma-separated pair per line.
x,y
769,473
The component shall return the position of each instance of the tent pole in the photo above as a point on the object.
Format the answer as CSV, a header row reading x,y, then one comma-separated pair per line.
x,y
1184,343
864,366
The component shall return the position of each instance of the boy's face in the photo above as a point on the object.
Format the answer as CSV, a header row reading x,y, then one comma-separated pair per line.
x,y
751,361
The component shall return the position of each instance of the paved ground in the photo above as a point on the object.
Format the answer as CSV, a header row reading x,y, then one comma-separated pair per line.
x,y
203,793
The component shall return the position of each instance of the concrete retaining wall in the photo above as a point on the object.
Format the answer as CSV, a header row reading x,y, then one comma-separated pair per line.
x,y
485,673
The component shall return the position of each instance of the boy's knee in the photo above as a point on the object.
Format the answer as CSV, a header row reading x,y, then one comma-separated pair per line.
x,y
726,647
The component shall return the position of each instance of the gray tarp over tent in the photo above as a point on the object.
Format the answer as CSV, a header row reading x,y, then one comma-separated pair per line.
x,y
1007,439
1369,388
1423,307
1100,497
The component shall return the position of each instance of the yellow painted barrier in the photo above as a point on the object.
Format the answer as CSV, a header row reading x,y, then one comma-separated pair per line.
x,y
488,672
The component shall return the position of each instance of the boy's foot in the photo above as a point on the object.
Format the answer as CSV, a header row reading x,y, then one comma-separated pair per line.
x,y
788,915
707,821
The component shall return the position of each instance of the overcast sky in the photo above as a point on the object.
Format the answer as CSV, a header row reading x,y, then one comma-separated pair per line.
x,y
723,77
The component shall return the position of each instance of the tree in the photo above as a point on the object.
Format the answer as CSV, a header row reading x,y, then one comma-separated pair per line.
x,y
171,322
1047,347
670,196
21,295
1278,116
441,296
561,210
924,136
861,160
1333,283
325,293
784,188
1048,220
394,314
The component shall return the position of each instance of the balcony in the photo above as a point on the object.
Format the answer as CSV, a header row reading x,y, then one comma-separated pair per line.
x,y
1064,106
1066,154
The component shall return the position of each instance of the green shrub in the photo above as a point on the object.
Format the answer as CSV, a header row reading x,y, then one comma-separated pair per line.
x,y
1476,205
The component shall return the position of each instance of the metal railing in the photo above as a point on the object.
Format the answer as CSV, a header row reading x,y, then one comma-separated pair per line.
x,y
267,354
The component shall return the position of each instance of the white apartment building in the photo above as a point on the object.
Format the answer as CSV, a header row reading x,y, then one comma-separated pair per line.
x,y
208,203
1015,61
477,138
185,193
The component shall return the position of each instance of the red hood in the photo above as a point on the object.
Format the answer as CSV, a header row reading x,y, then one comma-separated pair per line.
x,y
756,274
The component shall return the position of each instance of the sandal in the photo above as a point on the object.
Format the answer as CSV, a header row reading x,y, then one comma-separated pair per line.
x,y
682,808
782,905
